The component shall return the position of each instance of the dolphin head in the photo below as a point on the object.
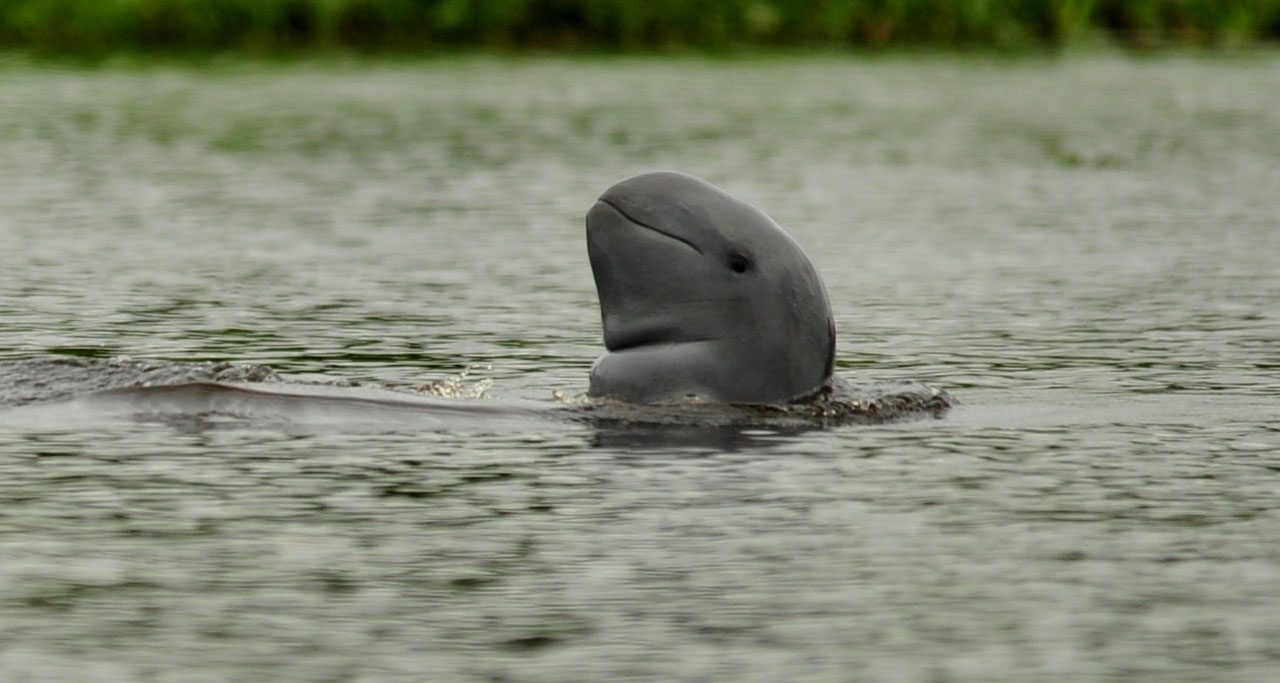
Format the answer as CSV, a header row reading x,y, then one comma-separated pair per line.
x,y
703,296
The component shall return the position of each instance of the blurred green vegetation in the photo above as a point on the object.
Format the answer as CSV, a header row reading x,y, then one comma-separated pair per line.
x,y
80,26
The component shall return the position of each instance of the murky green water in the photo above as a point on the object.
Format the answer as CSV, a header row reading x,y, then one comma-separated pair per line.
x,y
1084,251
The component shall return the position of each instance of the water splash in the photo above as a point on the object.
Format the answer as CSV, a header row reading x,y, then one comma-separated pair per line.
x,y
459,386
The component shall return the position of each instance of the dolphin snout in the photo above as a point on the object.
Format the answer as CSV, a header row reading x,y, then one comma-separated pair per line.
x,y
615,211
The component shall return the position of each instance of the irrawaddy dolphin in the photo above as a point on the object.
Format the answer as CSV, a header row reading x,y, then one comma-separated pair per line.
x,y
702,296
711,313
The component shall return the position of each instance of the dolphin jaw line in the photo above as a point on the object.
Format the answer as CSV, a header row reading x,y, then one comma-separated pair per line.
x,y
647,226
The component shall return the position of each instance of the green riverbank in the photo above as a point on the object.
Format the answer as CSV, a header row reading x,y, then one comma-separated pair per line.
x,y
95,26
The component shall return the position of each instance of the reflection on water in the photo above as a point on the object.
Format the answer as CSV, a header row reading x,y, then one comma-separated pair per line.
x,y
1082,250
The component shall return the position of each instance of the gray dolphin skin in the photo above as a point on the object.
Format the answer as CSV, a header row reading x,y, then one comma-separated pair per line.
x,y
703,296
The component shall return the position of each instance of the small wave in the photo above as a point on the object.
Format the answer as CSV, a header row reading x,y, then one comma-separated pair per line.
x,y
459,386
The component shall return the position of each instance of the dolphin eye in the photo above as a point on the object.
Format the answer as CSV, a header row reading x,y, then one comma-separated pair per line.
x,y
739,263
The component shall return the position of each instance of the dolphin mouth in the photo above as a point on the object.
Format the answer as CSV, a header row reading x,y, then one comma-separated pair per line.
x,y
648,226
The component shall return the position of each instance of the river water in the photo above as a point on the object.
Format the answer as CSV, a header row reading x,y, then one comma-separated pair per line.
x,y
1083,250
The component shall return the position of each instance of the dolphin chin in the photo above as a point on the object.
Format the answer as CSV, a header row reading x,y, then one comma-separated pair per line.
x,y
703,296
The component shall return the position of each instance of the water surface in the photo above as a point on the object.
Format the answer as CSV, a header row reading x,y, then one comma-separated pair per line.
x,y
1083,250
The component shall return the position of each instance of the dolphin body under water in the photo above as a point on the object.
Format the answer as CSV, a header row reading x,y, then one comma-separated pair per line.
x,y
711,314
